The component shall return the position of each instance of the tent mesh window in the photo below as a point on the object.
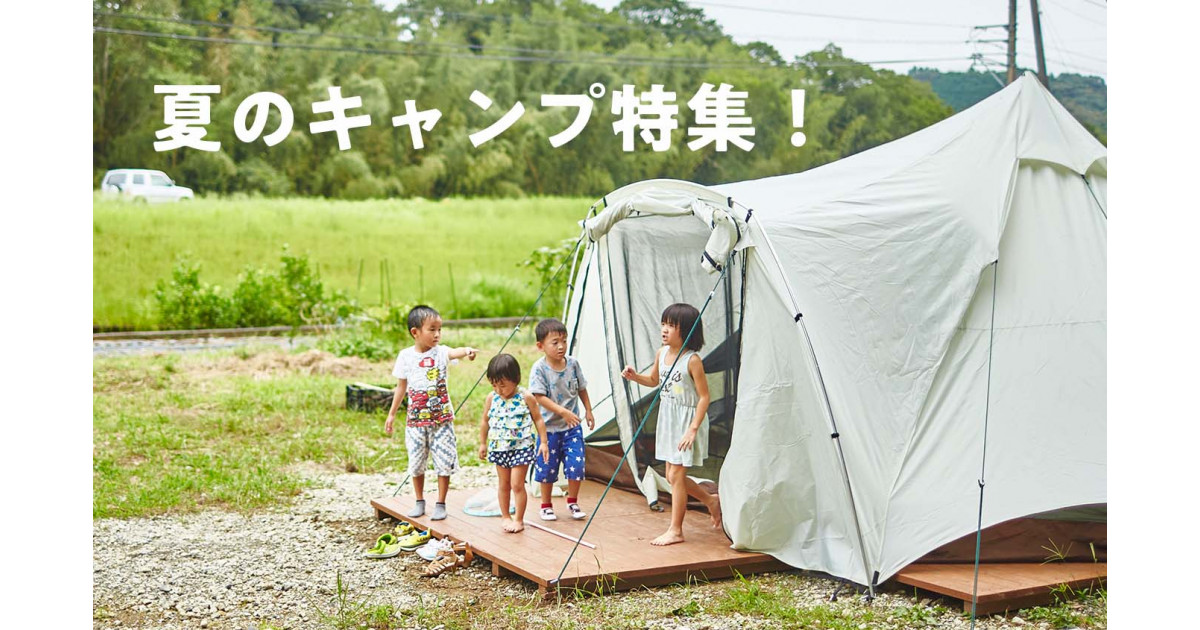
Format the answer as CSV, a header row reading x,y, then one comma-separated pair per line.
x,y
634,297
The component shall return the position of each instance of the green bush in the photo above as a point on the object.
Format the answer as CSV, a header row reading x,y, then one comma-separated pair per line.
x,y
292,296
208,171
256,175
546,261
256,300
368,187
495,297
359,342
348,176
186,302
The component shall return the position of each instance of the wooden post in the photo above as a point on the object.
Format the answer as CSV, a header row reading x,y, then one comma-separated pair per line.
x,y
1037,40
1012,41
360,270
453,295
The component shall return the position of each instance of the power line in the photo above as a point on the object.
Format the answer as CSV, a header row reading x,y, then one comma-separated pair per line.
x,y
409,53
392,40
400,53
1078,15
930,42
1028,58
1054,44
602,25
367,38
828,16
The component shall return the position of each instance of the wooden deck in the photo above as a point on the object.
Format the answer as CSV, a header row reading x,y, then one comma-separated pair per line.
x,y
1003,586
623,557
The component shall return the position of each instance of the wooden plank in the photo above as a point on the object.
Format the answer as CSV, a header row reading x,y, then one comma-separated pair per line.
x,y
621,532
1002,586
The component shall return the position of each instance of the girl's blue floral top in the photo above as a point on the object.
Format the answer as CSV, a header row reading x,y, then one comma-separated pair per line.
x,y
510,427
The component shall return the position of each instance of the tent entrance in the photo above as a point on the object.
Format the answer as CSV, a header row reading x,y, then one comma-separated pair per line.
x,y
633,295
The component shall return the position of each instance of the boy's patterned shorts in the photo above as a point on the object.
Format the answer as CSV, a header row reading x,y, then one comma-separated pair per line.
x,y
438,440
566,448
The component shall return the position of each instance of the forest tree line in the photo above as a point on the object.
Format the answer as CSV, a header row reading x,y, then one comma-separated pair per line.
x,y
436,53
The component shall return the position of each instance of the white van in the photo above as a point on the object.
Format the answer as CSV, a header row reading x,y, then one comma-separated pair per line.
x,y
140,184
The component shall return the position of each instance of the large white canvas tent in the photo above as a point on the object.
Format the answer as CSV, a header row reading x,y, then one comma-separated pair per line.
x,y
889,330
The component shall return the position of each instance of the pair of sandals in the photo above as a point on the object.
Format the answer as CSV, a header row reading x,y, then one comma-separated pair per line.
x,y
392,543
449,560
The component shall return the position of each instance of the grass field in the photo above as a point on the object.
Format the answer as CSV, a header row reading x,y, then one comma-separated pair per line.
x,y
421,242
176,433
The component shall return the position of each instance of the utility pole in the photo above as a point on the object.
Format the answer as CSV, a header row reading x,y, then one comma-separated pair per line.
x,y
1037,40
1012,40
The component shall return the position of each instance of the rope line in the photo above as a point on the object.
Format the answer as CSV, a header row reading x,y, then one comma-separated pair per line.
x,y
1098,204
524,317
510,337
638,432
983,462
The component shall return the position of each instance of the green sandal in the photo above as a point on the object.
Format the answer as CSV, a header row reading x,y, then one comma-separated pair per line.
x,y
403,530
388,546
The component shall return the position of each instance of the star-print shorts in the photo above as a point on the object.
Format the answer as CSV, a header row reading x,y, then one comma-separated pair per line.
x,y
511,459
566,449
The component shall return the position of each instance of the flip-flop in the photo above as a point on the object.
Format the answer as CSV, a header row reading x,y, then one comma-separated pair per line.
x,y
386,547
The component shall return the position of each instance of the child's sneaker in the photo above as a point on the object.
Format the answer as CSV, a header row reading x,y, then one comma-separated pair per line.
x,y
577,512
431,548
548,514
415,540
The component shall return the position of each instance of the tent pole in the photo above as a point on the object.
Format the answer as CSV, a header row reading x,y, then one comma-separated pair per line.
x,y
983,463
837,440
799,319
589,254
574,266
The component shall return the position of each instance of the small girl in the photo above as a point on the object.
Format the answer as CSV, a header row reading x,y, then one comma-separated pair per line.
x,y
682,435
506,435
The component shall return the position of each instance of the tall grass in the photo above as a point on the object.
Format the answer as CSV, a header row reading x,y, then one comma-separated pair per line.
x,y
406,249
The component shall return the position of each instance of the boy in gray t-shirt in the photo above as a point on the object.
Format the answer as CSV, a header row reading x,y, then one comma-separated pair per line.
x,y
558,385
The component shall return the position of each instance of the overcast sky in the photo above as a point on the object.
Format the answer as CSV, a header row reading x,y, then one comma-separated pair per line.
x,y
1074,32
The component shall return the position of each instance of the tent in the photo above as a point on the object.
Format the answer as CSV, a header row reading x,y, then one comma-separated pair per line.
x,y
902,345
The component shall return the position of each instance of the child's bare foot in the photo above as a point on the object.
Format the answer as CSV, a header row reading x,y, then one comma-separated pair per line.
x,y
714,510
513,526
669,537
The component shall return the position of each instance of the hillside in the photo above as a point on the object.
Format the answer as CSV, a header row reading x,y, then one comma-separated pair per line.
x,y
1086,97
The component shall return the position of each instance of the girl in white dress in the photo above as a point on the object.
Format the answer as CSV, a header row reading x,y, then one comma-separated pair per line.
x,y
682,435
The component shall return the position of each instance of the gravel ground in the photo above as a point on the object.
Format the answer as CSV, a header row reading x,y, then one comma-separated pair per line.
x,y
279,569
227,570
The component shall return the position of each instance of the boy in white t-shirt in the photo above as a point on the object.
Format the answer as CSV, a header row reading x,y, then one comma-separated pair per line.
x,y
429,427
